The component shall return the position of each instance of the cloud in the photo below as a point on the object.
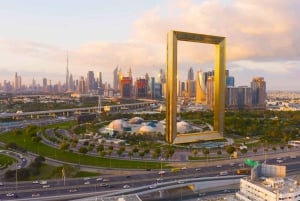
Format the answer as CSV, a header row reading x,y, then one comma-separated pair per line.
x,y
259,31
256,30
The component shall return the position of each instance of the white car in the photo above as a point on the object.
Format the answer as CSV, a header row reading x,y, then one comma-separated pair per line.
x,y
35,195
126,186
73,190
87,182
152,186
161,172
43,182
184,168
159,179
10,195
99,179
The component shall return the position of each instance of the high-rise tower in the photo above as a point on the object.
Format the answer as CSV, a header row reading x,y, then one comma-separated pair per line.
x,y
259,94
191,74
90,81
200,87
67,75
116,78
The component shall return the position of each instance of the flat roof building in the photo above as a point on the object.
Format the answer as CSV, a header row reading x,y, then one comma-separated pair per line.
x,y
268,183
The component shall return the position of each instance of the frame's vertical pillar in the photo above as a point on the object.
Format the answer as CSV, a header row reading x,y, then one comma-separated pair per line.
x,y
220,87
171,87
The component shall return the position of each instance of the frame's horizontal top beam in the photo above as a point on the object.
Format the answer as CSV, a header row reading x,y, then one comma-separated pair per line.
x,y
199,38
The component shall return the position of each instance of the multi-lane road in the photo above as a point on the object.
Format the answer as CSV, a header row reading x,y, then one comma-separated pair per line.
x,y
71,188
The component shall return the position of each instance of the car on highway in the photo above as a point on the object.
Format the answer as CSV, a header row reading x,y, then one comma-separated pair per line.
x,y
223,173
87,182
159,179
35,195
180,182
46,186
99,179
103,184
162,172
201,194
43,182
10,194
153,186
35,182
126,186
73,190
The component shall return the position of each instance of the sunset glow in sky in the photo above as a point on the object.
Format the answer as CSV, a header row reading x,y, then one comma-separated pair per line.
x,y
262,38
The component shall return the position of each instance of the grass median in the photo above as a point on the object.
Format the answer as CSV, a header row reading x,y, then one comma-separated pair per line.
x,y
24,141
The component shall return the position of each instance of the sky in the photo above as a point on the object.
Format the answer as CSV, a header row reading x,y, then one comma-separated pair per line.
x,y
262,38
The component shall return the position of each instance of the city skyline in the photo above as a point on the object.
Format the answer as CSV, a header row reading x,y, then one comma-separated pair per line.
x,y
36,38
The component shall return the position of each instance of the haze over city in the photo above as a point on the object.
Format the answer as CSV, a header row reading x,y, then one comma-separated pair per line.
x,y
36,36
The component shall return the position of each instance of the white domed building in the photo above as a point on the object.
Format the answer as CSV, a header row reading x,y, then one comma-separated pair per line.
x,y
184,127
117,126
146,129
136,120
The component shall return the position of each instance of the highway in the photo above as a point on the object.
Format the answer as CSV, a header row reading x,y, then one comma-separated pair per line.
x,y
109,183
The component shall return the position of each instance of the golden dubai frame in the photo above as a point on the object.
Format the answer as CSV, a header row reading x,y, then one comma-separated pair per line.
x,y
171,88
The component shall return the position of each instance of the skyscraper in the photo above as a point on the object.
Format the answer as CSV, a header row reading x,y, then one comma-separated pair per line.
x,y
190,88
191,74
210,100
200,87
259,94
18,82
116,79
90,81
67,75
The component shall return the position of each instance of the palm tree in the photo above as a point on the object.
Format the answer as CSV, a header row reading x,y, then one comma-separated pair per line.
x,y
195,152
205,151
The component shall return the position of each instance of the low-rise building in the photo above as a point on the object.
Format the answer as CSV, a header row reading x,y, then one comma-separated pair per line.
x,y
268,183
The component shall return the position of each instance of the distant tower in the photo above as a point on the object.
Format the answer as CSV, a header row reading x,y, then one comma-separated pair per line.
x,y
116,78
68,75
100,84
259,94
130,73
191,74
161,77
210,99
200,87
90,81
18,81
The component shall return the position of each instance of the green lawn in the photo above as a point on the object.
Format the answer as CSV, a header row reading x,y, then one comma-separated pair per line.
x,y
53,172
6,161
25,141
203,158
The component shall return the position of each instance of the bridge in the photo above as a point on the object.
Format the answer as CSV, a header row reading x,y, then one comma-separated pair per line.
x,y
195,184
72,111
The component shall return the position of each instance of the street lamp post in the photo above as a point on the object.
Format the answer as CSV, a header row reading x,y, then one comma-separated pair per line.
x,y
16,178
